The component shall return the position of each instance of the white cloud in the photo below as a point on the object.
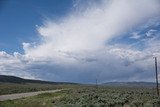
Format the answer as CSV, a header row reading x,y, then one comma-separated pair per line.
x,y
91,29
150,32
135,35
13,65
76,47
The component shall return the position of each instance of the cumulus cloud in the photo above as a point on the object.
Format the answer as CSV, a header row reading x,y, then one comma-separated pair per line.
x,y
91,29
13,65
76,47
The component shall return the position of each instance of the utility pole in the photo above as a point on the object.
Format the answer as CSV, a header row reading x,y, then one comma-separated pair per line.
x,y
156,75
96,83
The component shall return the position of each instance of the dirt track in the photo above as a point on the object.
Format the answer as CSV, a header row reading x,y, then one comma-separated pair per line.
x,y
22,95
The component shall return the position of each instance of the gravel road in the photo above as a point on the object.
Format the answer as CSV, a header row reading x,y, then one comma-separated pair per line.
x,y
22,95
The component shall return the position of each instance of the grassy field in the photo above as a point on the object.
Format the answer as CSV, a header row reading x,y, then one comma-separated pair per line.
x,y
10,88
91,97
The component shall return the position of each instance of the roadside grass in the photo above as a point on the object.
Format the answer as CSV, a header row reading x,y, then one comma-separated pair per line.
x,y
41,100
11,88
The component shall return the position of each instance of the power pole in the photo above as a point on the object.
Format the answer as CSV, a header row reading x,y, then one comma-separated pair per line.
x,y
156,75
96,83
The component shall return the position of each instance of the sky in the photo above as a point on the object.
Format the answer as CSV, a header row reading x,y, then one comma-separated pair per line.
x,y
80,40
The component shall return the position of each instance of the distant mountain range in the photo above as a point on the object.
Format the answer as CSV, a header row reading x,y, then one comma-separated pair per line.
x,y
131,84
14,79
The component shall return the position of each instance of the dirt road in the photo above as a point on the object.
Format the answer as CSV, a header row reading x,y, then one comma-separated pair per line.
x,y
22,95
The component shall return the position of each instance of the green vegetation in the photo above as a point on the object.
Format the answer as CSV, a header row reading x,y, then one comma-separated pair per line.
x,y
12,84
10,88
91,97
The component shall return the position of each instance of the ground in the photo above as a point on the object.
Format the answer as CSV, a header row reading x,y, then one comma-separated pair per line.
x,y
90,96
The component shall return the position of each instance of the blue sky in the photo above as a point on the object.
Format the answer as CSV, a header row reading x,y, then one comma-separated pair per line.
x,y
79,40
19,18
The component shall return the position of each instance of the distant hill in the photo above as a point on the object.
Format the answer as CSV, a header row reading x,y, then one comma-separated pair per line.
x,y
14,79
131,84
